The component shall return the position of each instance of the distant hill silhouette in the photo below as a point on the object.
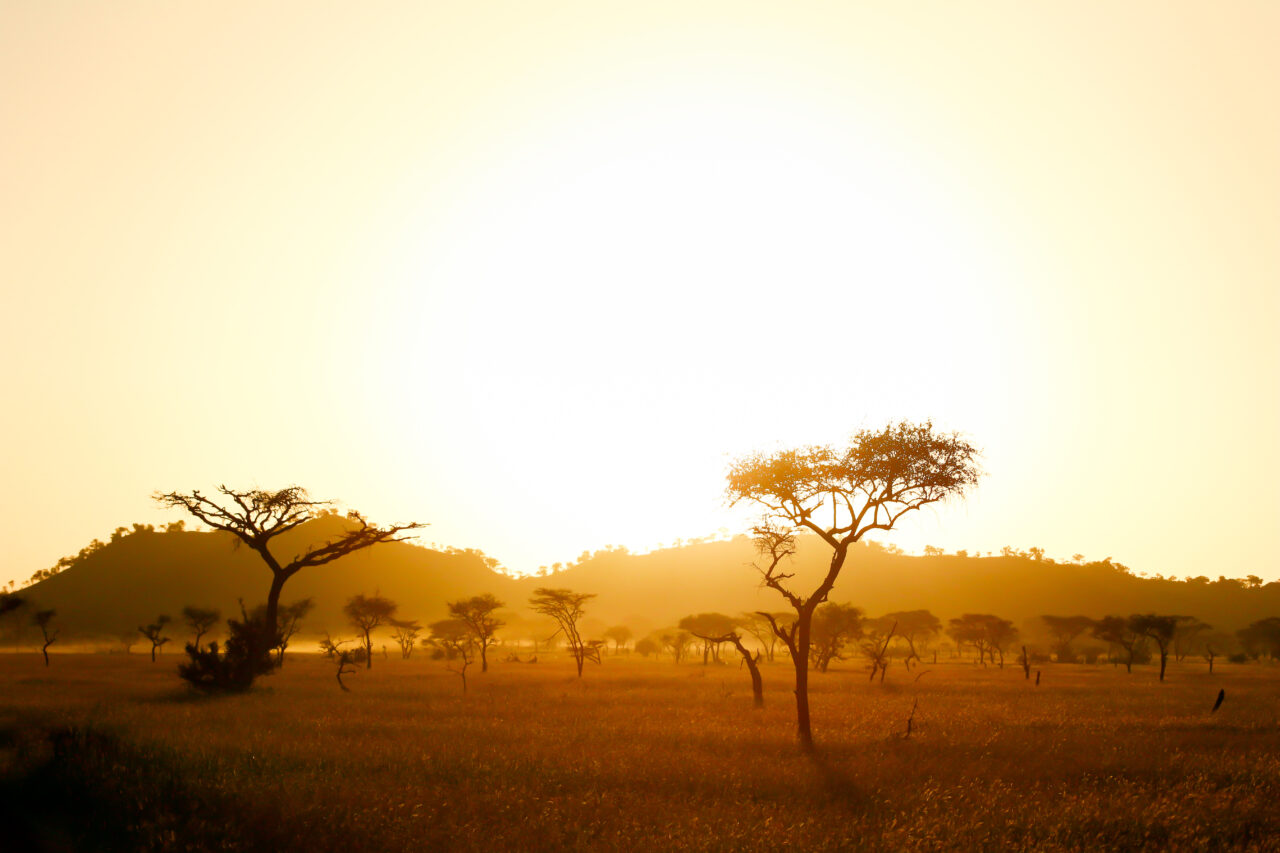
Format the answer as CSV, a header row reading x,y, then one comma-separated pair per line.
x,y
114,587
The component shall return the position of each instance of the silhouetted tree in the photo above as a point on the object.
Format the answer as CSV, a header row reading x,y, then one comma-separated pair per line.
x,y
477,612
153,631
289,618
10,601
257,517
1158,628
367,613
405,633
200,620
1000,633
759,627
1187,636
706,626
1064,630
1117,631
971,629
647,646
915,628
869,485
565,607
1261,637
42,619
879,632
619,634
834,625
458,640
676,642
757,683
247,655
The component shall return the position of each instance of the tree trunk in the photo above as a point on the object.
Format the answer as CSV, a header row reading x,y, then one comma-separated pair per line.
x,y
579,657
801,660
484,659
273,601
1164,658
153,652
757,684
45,652
368,651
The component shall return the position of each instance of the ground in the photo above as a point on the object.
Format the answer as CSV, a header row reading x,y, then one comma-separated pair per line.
x,y
113,752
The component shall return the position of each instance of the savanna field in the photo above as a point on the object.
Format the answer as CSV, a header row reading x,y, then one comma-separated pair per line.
x,y
112,752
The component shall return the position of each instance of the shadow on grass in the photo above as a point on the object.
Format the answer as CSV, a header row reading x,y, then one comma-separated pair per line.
x,y
76,789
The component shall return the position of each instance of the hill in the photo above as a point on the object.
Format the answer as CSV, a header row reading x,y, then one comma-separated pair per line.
x,y
113,588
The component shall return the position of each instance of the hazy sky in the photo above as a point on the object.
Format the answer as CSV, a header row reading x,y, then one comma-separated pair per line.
x,y
534,272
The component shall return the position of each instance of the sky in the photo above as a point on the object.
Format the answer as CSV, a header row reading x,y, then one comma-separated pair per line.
x,y
535,273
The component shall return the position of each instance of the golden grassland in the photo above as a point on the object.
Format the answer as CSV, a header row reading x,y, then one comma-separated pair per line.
x,y
112,750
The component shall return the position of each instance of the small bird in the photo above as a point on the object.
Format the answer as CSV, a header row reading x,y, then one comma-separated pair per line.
x,y
1222,694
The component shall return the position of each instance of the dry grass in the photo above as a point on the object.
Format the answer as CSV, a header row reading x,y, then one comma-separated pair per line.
x,y
640,756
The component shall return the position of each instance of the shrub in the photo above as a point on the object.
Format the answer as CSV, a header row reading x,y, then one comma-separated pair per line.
x,y
246,656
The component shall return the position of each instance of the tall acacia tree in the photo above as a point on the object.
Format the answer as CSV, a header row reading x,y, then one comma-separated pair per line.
x,y
566,607
256,517
477,612
870,484
367,612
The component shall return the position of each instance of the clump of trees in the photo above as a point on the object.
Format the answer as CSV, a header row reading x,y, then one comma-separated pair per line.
x,y
1261,638
870,484
989,635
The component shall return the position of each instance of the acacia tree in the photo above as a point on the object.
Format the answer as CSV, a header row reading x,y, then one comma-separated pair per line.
x,y
834,625
1187,636
1000,633
1261,637
1117,631
289,618
870,484
153,633
758,626
565,607
709,627
876,645
458,641
970,630
619,634
1064,630
915,627
200,620
367,612
256,517
405,632
477,613
42,619
675,642
1158,628
757,683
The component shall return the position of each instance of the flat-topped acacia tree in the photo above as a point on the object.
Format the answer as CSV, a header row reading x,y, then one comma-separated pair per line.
x,y
257,517
870,484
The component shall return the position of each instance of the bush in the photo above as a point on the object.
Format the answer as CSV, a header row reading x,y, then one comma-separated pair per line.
x,y
247,655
